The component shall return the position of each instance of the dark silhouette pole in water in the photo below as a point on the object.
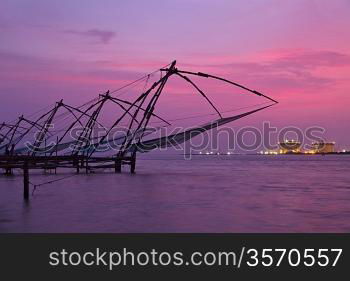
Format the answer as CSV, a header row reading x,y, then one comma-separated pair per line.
x,y
117,165
25,181
133,164
76,164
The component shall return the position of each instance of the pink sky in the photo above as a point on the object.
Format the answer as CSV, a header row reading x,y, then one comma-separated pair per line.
x,y
296,51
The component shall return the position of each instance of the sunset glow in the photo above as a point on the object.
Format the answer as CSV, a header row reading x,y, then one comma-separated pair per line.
x,y
295,51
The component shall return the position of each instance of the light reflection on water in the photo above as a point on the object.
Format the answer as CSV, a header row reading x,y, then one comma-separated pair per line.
x,y
207,194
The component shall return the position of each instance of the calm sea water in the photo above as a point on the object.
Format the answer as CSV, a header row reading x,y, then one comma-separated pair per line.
x,y
206,194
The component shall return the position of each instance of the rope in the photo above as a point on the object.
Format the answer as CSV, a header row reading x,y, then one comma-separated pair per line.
x,y
129,84
210,114
95,99
143,77
132,86
49,182
66,115
34,113
44,183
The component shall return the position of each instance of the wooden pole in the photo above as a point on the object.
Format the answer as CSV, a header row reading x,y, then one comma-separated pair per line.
x,y
25,181
8,170
117,165
87,165
56,145
76,163
133,165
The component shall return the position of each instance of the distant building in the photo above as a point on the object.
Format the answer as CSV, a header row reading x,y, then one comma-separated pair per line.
x,y
323,147
289,146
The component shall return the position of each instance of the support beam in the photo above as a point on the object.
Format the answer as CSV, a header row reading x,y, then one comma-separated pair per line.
x,y
25,181
86,165
76,164
118,165
8,171
133,164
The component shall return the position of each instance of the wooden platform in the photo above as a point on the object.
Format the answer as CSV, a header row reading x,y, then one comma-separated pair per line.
x,y
42,162
8,163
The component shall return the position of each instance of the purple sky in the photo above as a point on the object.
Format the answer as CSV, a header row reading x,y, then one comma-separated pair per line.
x,y
296,51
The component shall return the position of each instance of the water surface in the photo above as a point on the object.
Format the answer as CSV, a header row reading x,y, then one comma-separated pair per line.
x,y
206,194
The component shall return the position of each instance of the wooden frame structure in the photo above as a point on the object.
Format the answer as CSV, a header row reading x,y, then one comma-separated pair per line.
x,y
82,156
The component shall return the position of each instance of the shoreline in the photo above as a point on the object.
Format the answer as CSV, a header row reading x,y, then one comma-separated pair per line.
x,y
270,154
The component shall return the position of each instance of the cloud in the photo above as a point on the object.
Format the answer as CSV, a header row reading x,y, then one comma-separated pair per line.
x,y
312,59
296,70
21,72
28,82
103,36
